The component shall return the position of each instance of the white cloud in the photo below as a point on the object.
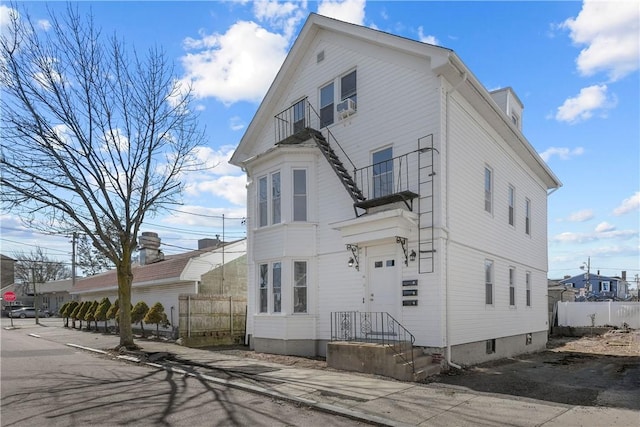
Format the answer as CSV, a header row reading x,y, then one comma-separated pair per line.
x,y
604,227
589,101
427,38
44,24
281,15
216,162
345,10
563,153
235,66
610,30
581,216
5,17
628,205
231,188
603,231
236,123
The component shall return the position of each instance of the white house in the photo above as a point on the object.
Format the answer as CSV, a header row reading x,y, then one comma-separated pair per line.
x,y
384,178
159,278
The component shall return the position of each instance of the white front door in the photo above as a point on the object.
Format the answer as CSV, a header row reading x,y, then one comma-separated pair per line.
x,y
383,288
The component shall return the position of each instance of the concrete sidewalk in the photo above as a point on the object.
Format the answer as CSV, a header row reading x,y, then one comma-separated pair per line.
x,y
362,397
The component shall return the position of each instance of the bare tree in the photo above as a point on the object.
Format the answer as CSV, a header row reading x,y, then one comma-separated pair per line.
x,y
90,260
39,267
95,137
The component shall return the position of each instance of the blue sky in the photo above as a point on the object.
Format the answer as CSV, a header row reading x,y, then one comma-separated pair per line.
x,y
574,65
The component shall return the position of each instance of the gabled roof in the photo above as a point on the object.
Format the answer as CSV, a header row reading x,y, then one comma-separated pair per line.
x,y
443,61
592,276
173,269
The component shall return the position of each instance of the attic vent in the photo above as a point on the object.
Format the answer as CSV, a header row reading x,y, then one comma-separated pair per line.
x,y
320,56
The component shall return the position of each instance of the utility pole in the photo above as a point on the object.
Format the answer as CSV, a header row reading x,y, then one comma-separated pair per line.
x,y
588,276
36,306
73,259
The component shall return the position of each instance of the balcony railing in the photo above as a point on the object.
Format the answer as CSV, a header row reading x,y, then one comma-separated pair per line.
x,y
296,123
391,180
373,327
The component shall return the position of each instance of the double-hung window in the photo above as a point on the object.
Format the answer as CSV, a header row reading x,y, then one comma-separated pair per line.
x,y
299,116
326,105
277,287
488,190
527,281
276,216
512,286
268,198
488,282
383,172
348,88
263,202
512,205
263,292
299,286
527,217
299,195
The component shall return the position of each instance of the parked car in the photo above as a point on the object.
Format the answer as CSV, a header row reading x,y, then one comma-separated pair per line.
x,y
9,308
28,312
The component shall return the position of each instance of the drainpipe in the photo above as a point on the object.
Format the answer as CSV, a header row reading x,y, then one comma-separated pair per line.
x,y
446,228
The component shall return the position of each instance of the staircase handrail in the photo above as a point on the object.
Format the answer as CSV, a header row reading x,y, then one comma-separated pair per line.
x,y
374,327
331,137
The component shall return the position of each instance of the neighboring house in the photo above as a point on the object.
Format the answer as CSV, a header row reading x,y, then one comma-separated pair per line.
x,y
7,271
163,279
384,178
52,295
599,286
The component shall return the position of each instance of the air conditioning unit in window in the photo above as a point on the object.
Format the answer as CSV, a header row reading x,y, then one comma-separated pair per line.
x,y
346,108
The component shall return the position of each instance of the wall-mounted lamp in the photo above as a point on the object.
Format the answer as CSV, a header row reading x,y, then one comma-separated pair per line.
x,y
354,260
412,255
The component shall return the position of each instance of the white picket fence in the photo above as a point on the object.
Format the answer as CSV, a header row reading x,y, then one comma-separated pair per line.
x,y
599,313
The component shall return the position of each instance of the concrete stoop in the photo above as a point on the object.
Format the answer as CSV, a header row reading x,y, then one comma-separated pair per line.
x,y
380,359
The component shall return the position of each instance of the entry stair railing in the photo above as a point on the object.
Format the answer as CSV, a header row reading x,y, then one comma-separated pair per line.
x,y
374,327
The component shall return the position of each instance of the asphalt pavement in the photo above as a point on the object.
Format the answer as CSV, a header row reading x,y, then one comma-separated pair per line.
x,y
367,398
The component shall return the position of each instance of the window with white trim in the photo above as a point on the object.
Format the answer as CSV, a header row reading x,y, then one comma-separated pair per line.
x,y
299,286
605,286
263,291
326,105
263,202
382,164
527,217
488,190
512,204
277,287
276,215
488,282
512,286
348,87
527,281
300,195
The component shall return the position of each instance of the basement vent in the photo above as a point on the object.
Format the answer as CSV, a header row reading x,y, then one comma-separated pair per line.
x,y
320,56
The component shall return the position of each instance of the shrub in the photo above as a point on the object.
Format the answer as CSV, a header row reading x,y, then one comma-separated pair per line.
x,y
90,314
63,313
112,313
82,311
138,313
73,310
102,311
156,316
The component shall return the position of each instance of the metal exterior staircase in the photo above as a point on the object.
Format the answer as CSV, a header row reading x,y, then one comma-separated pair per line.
x,y
336,164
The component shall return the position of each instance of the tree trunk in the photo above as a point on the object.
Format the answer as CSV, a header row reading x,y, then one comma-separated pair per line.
x,y
125,277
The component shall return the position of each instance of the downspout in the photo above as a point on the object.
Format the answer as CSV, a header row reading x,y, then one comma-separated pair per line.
x,y
446,228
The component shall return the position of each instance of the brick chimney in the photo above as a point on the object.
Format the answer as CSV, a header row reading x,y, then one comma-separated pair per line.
x,y
149,248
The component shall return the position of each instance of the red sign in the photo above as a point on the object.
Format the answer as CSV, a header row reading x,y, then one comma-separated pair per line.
x,y
9,296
